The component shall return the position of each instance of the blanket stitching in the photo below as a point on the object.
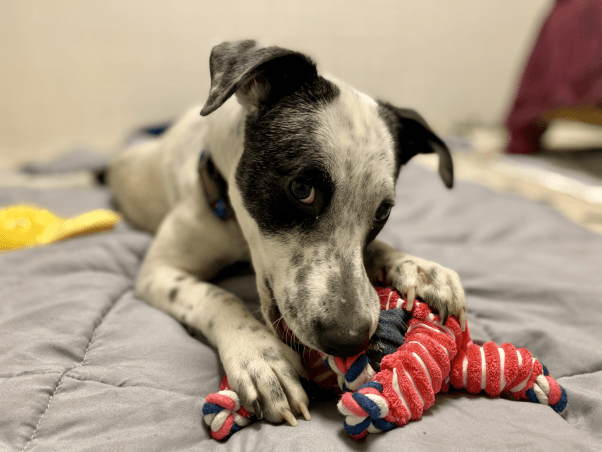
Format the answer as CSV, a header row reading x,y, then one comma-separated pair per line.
x,y
131,386
102,317
47,406
27,373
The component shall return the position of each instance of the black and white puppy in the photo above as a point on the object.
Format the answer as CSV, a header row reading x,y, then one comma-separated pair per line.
x,y
310,166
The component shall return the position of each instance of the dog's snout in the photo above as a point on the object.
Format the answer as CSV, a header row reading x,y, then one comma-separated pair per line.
x,y
342,339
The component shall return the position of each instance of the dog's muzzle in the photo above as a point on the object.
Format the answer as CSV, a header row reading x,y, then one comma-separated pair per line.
x,y
344,338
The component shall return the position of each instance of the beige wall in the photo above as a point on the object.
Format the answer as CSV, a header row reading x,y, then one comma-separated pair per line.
x,y
75,72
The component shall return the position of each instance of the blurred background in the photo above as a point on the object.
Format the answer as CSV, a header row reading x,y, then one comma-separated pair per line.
x,y
79,74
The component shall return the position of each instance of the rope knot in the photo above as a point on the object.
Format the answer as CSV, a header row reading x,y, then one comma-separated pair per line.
x,y
366,411
223,413
547,391
351,372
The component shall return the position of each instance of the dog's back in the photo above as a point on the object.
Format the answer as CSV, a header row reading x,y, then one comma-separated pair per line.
x,y
148,179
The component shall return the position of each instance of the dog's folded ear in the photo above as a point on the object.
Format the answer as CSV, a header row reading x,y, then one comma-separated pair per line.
x,y
414,136
257,75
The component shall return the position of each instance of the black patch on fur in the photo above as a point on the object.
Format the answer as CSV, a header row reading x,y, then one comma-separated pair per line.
x,y
302,296
412,135
234,64
302,275
181,278
280,145
290,307
432,274
290,374
333,285
270,354
324,303
276,392
173,293
296,259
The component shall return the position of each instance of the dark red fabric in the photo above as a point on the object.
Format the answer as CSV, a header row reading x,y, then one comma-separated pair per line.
x,y
564,70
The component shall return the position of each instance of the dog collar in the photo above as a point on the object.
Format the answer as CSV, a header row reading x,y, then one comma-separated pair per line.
x,y
215,186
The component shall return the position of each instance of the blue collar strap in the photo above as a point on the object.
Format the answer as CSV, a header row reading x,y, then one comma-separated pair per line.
x,y
221,203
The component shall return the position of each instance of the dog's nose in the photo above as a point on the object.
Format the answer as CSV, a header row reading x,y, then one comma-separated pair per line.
x,y
343,340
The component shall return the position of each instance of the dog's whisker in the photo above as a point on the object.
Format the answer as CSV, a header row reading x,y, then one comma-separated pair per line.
x,y
298,346
276,322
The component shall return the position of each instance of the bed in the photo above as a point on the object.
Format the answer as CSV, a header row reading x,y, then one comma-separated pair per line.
x,y
86,366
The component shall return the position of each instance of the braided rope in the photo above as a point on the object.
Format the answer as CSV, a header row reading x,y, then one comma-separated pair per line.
x,y
495,369
432,357
547,391
223,413
408,380
351,372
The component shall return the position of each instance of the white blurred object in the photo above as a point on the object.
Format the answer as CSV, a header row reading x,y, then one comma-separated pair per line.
x,y
564,134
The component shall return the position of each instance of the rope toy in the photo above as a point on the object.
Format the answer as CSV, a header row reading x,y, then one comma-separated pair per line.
x,y
411,358
433,357
223,413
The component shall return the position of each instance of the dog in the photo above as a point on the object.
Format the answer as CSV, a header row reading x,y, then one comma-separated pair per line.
x,y
294,172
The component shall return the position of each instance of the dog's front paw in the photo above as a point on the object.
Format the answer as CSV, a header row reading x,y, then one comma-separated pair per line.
x,y
436,285
265,373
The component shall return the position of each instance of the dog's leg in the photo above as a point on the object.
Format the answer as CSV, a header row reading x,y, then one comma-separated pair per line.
x,y
192,244
414,277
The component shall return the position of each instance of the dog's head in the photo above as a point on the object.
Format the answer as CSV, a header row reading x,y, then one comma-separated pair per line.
x,y
313,187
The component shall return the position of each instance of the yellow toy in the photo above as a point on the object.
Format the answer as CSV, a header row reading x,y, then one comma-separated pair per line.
x,y
25,226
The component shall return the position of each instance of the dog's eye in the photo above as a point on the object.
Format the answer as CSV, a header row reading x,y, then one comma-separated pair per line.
x,y
303,190
382,213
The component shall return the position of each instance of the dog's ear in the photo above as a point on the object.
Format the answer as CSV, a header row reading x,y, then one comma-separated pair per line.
x,y
414,136
257,75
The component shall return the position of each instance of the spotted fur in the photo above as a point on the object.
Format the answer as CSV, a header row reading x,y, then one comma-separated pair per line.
x,y
269,119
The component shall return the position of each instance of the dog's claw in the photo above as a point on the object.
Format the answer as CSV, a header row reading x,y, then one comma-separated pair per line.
x,y
443,314
304,411
462,319
411,297
258,409
290,418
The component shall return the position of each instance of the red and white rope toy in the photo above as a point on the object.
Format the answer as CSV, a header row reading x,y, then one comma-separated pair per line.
x,y
223,413
431,358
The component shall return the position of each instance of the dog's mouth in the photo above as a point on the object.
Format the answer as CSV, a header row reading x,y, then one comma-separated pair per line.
x,y
287,334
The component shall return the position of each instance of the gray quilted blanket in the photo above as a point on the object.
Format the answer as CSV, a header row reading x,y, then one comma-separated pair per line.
x,y
86,366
